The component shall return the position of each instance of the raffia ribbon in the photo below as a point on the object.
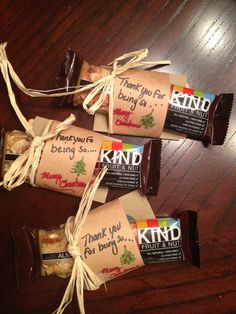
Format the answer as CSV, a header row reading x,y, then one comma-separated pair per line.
x,y
102,87
26,164
81,276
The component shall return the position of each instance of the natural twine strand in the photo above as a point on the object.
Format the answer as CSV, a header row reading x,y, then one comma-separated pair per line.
x,y
102,87
25,165
82,276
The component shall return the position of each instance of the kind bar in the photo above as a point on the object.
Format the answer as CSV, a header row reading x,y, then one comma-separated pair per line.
x,y
13,144
168,239
65,164
104,245
111,247
129,166
73,72
27,255
200,115
55,260
68,73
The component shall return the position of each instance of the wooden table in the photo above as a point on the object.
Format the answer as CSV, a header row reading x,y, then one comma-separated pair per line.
x,y
199,38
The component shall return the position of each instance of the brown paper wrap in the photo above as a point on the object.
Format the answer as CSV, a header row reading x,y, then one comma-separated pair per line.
x,y
63,148
75,151
140,103
101,121
31,246
106,241
109,246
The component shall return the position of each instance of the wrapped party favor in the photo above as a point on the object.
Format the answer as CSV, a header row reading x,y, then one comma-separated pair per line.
x,y
75,156
148,102
104,240
109,244
99,245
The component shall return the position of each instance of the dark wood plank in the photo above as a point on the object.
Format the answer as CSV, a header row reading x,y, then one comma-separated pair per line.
x,y
198,36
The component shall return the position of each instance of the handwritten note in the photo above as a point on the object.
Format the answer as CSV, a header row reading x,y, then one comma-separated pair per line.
x,y
68,160
141,103
108,243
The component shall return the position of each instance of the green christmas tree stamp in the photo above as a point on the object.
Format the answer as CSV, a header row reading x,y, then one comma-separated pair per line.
x,y
127,257
147,121
79,168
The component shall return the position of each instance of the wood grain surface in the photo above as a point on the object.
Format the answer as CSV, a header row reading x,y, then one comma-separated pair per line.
x,y
198,36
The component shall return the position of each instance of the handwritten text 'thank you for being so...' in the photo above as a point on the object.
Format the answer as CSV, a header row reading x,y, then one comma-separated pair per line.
x,y
107,239
135,96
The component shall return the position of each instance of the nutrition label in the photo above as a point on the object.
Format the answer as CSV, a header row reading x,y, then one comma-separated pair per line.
x,y
121,176
161,252
192,122
123,166
188,111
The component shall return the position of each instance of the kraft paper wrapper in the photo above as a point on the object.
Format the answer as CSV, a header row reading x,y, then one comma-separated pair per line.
x,y
105,237
141,93
101,121
63,167
136,206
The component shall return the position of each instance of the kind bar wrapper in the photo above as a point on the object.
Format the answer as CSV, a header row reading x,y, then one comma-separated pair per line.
x,y
199,115
67,161
131,166
123,162
78,155
110,247
55,260
14,143
168,239
68,73
106,241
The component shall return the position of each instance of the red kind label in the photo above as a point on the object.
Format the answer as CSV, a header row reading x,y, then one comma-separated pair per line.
x,y
140,103
68,160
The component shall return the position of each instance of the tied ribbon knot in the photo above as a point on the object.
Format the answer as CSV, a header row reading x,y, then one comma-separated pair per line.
x,y
81,276
37,142
26,165
103,87
73,250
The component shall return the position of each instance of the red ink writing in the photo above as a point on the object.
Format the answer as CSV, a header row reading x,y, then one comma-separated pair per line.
x,y
123,113
62,183
127,124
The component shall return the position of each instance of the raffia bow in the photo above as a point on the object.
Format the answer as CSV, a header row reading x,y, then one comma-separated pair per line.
x,y
102,87
105,86
82,276
26,165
